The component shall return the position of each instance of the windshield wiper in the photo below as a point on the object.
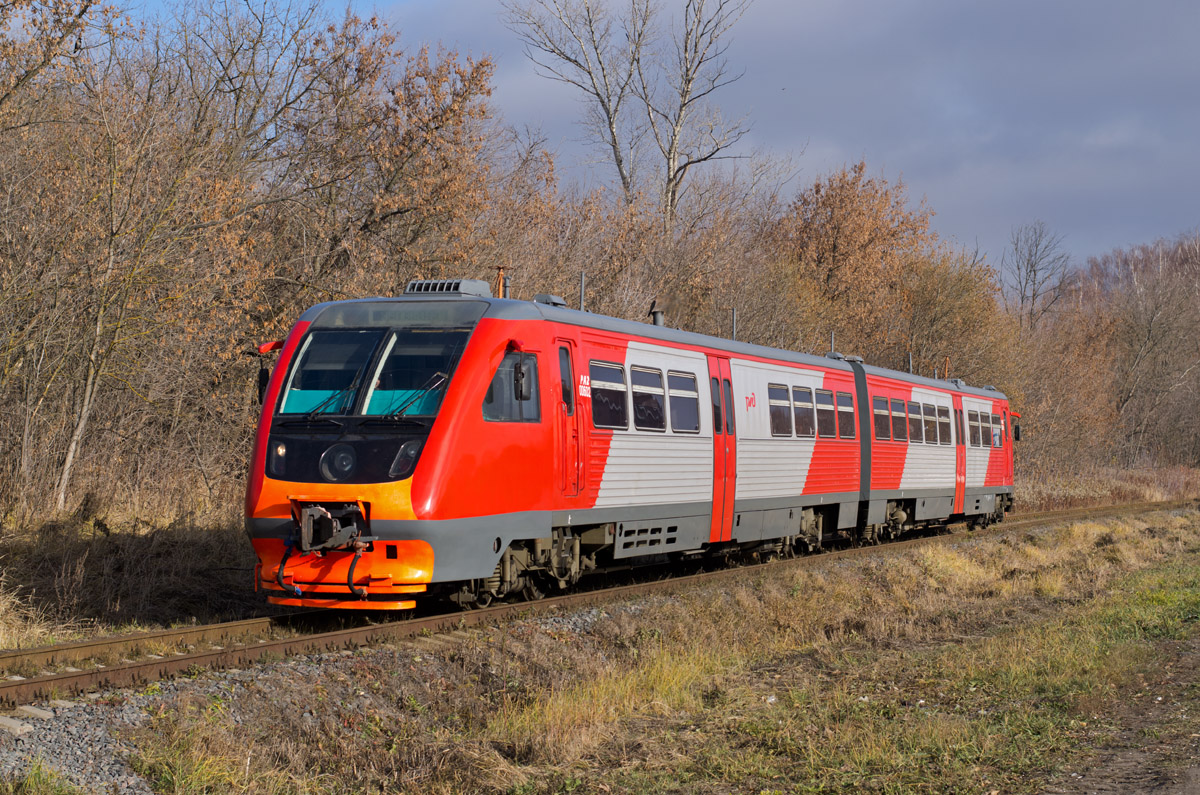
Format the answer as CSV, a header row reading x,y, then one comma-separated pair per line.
x,y
312,415
435,381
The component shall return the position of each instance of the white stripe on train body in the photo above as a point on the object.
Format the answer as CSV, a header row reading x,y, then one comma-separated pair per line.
x,y
977,457
929,466
768,466
656,468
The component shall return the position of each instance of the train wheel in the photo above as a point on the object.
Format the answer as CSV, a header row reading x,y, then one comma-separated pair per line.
x,y
531,592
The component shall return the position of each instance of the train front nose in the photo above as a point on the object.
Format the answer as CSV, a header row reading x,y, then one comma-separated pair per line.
x,y
326,556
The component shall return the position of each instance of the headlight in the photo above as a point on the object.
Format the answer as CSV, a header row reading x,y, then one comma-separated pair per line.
x,y
338,462
405,460
277,459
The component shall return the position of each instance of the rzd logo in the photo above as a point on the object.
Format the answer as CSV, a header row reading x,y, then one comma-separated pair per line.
x,y
751,401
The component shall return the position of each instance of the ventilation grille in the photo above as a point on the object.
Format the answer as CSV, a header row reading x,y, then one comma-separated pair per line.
x,y
449,287
632,539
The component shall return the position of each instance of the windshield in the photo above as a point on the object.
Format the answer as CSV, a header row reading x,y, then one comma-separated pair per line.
x,y
391,372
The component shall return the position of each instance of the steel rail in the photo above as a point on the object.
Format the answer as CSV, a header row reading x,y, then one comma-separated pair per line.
x,y
23,691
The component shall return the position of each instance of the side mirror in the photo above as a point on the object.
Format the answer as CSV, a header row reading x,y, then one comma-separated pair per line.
x,y
523,380
264,378
1017,432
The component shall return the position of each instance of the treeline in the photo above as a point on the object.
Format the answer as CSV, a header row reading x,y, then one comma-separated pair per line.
x,y
174,193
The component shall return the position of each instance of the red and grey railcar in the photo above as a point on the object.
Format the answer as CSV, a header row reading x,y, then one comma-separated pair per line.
x,y
450,442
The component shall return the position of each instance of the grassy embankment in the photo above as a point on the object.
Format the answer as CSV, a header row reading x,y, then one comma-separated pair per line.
x,y
975,667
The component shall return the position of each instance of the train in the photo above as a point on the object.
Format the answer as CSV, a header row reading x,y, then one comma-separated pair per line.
x,y
447,444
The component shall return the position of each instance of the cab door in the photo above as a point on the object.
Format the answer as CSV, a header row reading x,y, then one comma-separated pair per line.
x,y
724,449
571,462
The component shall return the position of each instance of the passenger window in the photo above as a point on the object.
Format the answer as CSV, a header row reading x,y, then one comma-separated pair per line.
x,y
649,399
930,424
944,424
503,403
781,410
685,402
899,421
568,379
973,422
883,420
608,395
826,414
716,399
985,429
845,402
997,431
729,429
803,411
914,423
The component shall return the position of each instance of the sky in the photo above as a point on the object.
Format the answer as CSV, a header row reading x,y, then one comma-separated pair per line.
x,y
1084,115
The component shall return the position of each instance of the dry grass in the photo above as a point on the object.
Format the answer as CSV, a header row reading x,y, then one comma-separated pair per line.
x,y
72,578
1039,490
956,667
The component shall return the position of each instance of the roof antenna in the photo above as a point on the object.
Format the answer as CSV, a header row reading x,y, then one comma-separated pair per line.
x,y
582,285
910,372
733,334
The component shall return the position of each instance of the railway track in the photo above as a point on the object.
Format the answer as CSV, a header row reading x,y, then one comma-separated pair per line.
x,y
55,671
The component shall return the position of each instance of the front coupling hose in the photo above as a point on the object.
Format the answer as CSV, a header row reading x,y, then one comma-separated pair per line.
x,y
293,589
354,589
361,545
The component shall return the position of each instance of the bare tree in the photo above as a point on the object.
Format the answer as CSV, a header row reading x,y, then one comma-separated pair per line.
x,y
1036,273
671,74
583,44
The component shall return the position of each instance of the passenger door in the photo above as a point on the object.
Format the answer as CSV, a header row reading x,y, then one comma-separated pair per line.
x,y
960,456
724,448
571,464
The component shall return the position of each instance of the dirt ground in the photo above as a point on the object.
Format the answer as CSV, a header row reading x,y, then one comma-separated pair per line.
x,y
1151,742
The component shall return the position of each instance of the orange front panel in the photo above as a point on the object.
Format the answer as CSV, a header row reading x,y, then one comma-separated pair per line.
x,y
413,564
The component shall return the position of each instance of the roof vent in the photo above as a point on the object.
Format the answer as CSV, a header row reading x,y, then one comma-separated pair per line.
x,y
991,388
958,382
549,300
855,359
835,355
449,287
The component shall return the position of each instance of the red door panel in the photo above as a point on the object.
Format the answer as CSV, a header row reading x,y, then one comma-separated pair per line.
x,y
724,449
569,418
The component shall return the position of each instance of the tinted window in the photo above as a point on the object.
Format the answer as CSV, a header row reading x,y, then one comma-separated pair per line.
x,y
883,419
328,371
985,429
806,424
568,379
958,426
931,431
899,421
781,410
608,395
716,400
501,404
826,414
915,433
729,429
845,405
943,424
973,423
685,402
649,400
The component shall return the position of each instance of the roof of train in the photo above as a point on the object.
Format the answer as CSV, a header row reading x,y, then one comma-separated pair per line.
x,y
529,310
